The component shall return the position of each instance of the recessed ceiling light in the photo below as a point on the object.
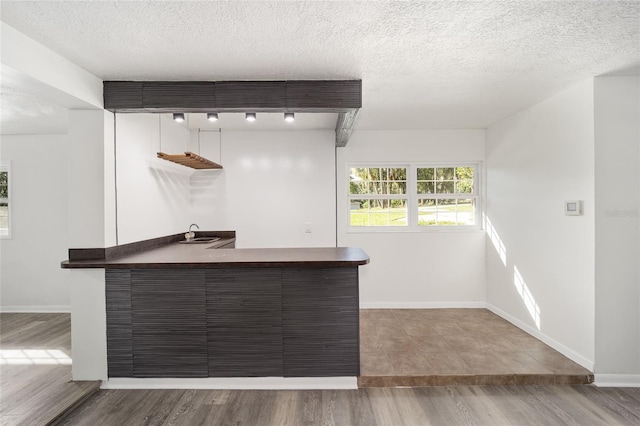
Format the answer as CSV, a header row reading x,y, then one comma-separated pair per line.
x,y
179,117
250,116
289,117
212,116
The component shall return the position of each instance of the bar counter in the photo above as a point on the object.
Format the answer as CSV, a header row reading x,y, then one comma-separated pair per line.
x,y
209,310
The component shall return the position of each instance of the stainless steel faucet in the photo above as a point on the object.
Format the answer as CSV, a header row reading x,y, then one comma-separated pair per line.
x,y
190,235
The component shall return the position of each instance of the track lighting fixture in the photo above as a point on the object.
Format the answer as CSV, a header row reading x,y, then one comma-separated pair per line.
x,y
212,116
250,116
178,116
289,117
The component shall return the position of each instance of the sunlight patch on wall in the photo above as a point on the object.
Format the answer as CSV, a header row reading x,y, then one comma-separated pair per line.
x,y
34,357
527,297
496,240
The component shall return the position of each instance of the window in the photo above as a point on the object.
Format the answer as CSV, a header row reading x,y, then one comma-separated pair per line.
x,y
5,193
414,197
378,196
445,196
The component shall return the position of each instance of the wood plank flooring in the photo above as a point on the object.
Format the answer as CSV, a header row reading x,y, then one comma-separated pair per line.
x,y
458,405
35,369
26,390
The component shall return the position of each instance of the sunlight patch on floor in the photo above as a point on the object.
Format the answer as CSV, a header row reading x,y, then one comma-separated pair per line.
x,y
34,357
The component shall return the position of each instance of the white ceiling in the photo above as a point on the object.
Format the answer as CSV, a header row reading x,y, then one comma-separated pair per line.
x,y
424,64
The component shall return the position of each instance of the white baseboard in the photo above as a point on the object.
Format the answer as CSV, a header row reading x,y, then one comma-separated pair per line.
x,y
569,353
617,380
264,383
421,305
48,309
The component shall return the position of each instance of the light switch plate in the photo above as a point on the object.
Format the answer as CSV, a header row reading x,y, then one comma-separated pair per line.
x,y
573,208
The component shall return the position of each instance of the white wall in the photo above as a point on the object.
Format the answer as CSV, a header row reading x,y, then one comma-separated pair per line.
x,y
415,269
273,182
30,273
86,182
86,177
536,160
110,220
152,194
617,147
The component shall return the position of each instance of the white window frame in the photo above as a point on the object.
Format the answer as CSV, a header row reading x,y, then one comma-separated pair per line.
x,y
474,195
5,166
406,197
412,197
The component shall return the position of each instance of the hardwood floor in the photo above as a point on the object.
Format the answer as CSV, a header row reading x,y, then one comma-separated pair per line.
x,y
34,385
35,369
458,405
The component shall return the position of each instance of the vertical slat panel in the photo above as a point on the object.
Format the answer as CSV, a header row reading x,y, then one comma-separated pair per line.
x,y
169,317
119,336
320,322
244,322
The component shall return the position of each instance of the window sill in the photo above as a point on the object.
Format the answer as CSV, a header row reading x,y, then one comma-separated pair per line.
x,y
429,230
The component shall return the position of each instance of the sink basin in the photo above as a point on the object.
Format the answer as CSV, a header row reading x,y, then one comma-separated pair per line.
x,y
200,240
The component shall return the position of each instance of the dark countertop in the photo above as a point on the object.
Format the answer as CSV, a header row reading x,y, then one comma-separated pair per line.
x,y
174,255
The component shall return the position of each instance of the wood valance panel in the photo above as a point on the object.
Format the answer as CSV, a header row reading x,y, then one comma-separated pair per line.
x,y
323,96
343,97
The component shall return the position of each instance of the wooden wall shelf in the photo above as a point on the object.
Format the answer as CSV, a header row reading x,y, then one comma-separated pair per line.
x,y
189,159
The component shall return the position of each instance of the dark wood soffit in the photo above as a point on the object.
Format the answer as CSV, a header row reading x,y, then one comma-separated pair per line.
x,y
305,96
344,126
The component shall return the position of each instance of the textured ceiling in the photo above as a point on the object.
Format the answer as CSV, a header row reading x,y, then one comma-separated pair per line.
x,y
424,64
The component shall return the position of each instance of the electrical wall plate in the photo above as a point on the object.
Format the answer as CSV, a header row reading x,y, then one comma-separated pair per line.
x,y
573,208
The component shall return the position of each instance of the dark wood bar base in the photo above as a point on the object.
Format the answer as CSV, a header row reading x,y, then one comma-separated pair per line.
x,y
185,310
233,322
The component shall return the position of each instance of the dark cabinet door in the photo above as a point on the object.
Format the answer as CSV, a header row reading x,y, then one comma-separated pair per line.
x,y
119,332
168,309
244,322
320,322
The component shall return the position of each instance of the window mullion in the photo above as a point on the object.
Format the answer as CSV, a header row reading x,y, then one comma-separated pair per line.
x,y
412,196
